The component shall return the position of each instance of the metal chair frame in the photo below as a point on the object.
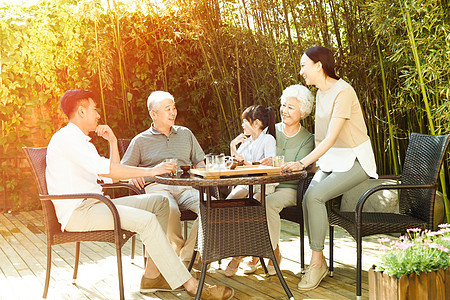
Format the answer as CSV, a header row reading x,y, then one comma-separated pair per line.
x,y
417,190
37,160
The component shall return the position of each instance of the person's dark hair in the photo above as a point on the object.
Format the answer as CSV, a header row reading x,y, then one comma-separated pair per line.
x,y
73,98
265,115
325,56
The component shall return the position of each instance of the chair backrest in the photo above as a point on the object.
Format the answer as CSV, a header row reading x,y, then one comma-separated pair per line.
x,y
37,158
123,146
423,161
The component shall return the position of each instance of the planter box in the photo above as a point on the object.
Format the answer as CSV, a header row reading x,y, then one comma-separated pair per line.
x,y
431,286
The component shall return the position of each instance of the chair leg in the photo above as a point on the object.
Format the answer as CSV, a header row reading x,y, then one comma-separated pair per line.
x,y
358,264
185,230
133,247
331,234
302,245
119,267
49,266
263,265
143,254
77,260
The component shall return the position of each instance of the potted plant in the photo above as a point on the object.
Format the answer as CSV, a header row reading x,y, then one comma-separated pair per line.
x,y
416,266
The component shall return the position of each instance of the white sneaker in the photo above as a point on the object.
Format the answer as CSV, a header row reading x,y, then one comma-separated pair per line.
x,y
271,269
313,277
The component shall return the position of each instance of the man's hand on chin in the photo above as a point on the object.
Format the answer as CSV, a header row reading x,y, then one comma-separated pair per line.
x,y
105,132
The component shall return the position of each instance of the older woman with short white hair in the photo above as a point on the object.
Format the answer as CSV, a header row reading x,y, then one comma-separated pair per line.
x,y
293,142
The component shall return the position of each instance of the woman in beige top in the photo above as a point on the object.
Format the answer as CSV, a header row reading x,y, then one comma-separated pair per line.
x,y
343,152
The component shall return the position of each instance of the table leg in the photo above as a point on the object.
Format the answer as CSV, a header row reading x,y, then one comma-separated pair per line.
x,y
201,281
275,263
282,281
191,263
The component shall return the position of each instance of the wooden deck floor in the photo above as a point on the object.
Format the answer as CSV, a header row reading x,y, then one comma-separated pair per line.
x,y
23,261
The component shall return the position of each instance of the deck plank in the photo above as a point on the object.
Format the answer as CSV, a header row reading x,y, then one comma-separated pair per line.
x,y
23,264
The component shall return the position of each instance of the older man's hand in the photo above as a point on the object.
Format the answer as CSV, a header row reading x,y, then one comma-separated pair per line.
x,y
164,168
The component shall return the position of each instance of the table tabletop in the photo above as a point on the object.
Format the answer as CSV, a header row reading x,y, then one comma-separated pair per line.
x,y
195,181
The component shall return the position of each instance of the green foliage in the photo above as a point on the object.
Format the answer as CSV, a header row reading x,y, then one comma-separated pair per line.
x,y
216,57
415,35
418,251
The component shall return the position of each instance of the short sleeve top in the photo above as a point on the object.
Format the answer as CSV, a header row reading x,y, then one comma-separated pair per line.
x,y
341,101
151,147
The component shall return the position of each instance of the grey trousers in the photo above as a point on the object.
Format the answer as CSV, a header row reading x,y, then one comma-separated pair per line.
x,y
324,187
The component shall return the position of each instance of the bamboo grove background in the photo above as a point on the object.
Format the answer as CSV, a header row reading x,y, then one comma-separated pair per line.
x,y
216,57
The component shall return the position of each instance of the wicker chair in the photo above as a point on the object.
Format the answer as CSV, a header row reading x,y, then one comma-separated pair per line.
x,y
295,214
418,184
186,215
37,160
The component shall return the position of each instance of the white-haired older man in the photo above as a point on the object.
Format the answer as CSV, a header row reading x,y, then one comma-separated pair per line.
x,y
165,140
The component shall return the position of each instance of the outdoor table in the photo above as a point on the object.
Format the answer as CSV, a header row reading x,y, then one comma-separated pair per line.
x,y
233,227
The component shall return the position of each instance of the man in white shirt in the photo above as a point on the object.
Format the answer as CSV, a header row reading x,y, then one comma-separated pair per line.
x,y
73,166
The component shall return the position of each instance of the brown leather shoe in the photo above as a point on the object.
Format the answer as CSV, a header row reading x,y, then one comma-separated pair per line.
x,y
158,284
215,292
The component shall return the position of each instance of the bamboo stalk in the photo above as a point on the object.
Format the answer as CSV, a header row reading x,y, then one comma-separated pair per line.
x,y
288,31
263,12
387,106
97,50
425,99
216,89
241,106
116,28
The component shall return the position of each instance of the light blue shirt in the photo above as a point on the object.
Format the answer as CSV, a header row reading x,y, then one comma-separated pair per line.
x,y
264,146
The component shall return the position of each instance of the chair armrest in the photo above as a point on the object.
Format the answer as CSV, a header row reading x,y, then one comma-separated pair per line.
x,y
135,189
105,200
397,177
363,199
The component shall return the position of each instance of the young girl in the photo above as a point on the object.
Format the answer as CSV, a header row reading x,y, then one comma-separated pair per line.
x,y
257,142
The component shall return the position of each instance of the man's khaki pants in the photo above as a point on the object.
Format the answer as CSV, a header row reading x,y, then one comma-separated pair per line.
x,y
146,215
180,197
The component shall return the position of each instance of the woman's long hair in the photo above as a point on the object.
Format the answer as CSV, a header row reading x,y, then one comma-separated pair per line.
x,y
325,56
265,115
